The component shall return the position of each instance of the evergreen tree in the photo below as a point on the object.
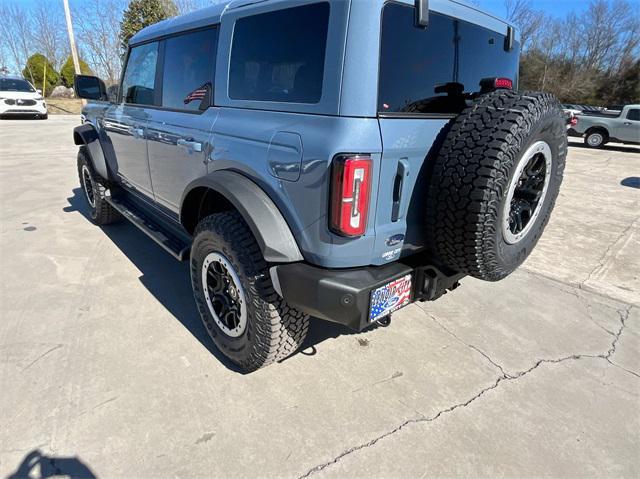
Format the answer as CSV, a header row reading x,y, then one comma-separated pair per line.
x,y
34,71
68,71
142,13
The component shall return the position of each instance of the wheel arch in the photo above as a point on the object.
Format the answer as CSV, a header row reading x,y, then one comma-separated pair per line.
x,y
86,135
227,190
599,128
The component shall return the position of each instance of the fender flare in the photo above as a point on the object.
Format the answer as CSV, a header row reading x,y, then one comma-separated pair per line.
x,y
600,127
86,135
274,237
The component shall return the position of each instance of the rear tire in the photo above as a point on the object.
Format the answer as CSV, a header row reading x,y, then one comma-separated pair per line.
x,y
596,139
101,212
495,182
247,320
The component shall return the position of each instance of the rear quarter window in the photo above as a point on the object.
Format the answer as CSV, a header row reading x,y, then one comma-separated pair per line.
x,y
414,61
279,56
187,78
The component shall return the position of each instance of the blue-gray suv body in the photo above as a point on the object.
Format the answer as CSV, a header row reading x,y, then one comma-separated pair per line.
x,y
338,158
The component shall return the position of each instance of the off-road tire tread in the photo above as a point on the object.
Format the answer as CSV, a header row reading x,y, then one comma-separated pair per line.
x,y
279,329
104,213
470,177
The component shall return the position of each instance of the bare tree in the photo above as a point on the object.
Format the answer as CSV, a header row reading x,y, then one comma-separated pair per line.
x,y
48,31
15,31
528,21
97,25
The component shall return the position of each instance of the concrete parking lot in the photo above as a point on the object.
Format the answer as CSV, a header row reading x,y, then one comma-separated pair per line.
x,y
105,368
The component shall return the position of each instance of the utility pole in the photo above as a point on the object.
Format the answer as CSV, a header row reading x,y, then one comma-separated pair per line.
x,y
72,40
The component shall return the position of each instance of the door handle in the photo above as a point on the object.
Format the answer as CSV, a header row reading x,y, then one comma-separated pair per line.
x,y
190,145
627,123
401,173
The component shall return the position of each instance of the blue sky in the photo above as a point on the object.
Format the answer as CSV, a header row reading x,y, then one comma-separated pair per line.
x,y
557,8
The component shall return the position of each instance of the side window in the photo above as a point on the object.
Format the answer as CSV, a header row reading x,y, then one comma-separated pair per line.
x,y
633,115
189,62
279,56
140,75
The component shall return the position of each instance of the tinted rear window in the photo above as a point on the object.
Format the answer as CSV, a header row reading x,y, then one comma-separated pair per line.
x,y
279,56
187,79
414,61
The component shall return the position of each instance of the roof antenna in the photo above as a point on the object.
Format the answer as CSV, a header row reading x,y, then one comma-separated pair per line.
x,y
422,13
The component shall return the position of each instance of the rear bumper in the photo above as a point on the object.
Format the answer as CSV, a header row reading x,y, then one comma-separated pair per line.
x,y
572,132
343,295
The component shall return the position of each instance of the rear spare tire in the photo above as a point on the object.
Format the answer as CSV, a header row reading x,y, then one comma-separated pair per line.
x,y
495,181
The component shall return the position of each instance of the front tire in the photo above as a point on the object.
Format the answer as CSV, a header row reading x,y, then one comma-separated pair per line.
x,y
247,320
101,212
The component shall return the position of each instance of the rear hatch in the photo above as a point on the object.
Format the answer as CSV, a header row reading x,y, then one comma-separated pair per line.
x,y
427,76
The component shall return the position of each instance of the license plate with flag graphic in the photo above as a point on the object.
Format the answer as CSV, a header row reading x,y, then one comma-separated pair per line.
x,y
389,298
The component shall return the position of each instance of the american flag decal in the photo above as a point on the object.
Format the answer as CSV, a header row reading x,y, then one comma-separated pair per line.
x,y
390,297
199,94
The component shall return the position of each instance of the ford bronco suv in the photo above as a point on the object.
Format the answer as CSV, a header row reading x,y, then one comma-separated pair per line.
x,y
337,159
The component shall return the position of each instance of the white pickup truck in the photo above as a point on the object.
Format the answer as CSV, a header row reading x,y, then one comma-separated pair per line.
x,y
600,128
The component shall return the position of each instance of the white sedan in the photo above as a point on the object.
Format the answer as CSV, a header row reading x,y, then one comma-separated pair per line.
x,y
18,97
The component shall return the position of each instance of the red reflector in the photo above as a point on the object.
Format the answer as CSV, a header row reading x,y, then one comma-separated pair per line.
x,y
503,83
350,188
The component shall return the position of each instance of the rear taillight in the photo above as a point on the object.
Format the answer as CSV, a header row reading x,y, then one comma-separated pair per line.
x,y
492,84
503,83
350,191
574,121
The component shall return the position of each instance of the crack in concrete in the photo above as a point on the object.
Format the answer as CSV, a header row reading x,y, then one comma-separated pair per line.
x,y
575,284
504,377
589,308
623,368
470,346
57,346
605,256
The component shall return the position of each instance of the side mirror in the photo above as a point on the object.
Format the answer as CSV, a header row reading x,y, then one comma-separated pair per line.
x,y
90,88
39,91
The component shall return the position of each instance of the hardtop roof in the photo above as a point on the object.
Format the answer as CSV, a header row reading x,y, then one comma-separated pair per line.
x,y
212,15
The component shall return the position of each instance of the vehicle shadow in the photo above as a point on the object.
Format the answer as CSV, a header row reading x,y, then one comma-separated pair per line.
x,y
36,465
170,283
620,148
631,182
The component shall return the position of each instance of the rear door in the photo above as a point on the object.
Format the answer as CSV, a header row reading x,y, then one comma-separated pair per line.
x,y
179,130
420,91
125,123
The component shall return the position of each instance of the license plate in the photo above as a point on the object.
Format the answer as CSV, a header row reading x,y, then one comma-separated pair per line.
x,y
389,298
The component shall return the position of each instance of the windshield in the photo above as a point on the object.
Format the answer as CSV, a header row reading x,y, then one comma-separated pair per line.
x,y
11,84
434,70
